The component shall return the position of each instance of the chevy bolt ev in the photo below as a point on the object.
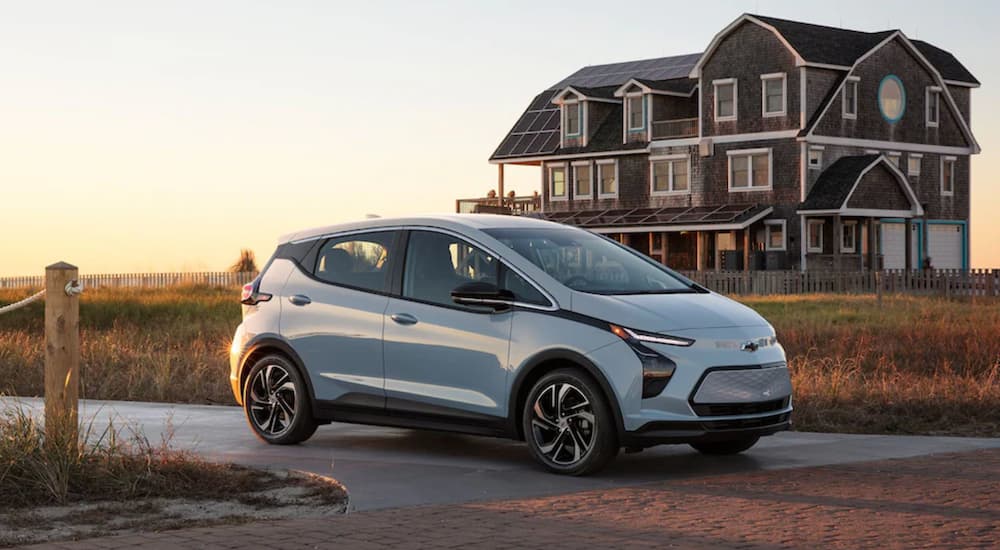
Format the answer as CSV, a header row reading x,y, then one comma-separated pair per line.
x,y
504,326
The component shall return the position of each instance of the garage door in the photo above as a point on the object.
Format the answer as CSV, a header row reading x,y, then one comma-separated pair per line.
x,y
894,246
944,246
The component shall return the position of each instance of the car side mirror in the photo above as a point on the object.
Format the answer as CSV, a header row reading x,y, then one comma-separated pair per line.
x,y
479,293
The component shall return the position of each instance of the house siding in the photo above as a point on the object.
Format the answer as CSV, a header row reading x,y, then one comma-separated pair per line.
x,y
747,53
896,59
879,189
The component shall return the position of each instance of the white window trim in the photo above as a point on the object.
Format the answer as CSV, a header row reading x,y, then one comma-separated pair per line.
x,y
815,149
749,153
576,165
851,81
853,224
628,111
670,175
715,99
809,226
768,224
600,163
935,92
896,158
944,162
556,166
763,94
583,117
914,156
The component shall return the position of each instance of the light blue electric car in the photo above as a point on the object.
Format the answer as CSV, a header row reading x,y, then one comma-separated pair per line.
x,y
504,326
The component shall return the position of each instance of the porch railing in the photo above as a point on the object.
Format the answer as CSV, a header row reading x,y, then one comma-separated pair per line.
x,y
678,128
509,205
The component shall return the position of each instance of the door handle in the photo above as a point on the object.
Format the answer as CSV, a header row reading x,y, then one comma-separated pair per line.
x,y
403,318
299,300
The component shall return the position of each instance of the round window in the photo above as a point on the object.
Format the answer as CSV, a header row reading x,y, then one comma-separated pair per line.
x,y
891,98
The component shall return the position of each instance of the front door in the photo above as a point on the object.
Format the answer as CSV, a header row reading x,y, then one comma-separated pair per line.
x,y
441,358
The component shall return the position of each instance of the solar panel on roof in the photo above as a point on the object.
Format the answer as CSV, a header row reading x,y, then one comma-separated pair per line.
x,y
618,73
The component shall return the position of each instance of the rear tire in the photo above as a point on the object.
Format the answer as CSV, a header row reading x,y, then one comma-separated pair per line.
x,y
568,424
728,447
276,402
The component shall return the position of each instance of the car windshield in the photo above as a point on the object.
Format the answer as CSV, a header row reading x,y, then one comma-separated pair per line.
x,y
590,263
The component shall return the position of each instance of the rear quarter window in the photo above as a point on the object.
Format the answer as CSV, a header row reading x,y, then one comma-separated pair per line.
x,y
360,261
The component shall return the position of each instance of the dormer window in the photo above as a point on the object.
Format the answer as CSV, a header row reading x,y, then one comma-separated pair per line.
x,y
725,99
635,106
933,106
573,113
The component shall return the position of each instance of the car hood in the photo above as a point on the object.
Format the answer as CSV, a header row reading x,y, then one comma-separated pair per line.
x,y
667,312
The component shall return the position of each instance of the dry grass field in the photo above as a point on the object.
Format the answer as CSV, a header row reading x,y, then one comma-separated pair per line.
x,y
913,365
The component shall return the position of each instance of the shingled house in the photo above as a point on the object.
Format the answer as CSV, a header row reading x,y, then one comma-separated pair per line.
x,y
784,145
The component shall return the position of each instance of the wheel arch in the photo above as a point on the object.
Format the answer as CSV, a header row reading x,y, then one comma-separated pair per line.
x,y
268,344
545,362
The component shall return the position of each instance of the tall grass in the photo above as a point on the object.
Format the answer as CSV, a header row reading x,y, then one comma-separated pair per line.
x,y
115,464
913,365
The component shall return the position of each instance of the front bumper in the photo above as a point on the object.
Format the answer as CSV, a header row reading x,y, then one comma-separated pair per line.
x,y
706,429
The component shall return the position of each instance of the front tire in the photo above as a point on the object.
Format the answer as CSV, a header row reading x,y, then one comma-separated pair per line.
x,y
568,424
276,402
728,447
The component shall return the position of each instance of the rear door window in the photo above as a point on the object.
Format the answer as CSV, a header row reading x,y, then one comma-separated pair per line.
x,y
361,261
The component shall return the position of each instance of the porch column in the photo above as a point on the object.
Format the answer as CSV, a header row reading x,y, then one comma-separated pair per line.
x,y
872,254
746,249
909,244
666,247
838,239
500,183
700,255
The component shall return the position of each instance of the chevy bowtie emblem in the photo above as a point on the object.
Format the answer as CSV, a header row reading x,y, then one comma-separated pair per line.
x,y
750,346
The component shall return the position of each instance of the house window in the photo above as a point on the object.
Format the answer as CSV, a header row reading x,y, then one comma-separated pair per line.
x,y
582,178
574,114
636,107
557,183
775,234
815,158
750,170
948,176
725,99
896,158
815,236
773,88
891,98
913,164
849,97
848,236
607,177
933,106
670,174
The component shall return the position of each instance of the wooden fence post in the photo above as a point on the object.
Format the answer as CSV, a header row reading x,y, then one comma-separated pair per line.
x,y
62,354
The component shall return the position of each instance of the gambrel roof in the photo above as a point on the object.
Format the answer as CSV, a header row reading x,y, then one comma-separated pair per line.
x,y
832,191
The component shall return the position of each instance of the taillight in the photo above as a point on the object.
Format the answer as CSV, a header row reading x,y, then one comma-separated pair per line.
x,y
251,294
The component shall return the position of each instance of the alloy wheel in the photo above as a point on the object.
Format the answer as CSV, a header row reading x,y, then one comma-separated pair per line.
x,y
273,398
563,423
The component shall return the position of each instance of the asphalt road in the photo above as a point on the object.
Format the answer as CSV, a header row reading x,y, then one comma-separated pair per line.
x,y
389,467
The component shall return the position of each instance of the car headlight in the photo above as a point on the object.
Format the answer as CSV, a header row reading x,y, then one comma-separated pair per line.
x,y
656,368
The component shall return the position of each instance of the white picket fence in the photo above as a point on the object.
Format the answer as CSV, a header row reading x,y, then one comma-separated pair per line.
x,y
943,282
141,280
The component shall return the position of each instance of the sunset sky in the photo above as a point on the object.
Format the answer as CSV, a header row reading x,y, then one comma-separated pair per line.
x,y
164,137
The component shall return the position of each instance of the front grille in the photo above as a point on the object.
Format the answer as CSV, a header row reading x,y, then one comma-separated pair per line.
x,y
736,409
746,386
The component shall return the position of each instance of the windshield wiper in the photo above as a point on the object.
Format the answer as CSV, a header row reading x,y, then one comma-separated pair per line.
x,y
656,291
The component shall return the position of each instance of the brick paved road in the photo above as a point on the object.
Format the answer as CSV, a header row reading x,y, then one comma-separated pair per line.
x,y
934,501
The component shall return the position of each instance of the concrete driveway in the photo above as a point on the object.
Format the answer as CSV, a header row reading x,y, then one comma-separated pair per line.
x,y
389,467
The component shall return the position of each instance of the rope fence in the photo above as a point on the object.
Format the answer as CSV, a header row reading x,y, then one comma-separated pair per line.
x,y
18,305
